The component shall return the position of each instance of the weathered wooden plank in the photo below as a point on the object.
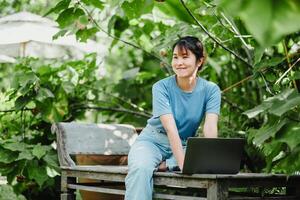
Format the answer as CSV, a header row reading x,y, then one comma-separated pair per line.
x,y
122,192
264,198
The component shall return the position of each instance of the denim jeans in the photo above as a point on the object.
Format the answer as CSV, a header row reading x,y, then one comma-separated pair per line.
x,y
149,149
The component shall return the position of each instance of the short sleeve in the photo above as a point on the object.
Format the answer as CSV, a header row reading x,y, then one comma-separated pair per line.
x,y
214,100
161,101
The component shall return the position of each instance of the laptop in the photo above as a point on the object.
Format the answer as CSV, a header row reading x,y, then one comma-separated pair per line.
x,y
213,155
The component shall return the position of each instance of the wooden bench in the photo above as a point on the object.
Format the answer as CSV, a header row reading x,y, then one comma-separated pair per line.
x,y
100,139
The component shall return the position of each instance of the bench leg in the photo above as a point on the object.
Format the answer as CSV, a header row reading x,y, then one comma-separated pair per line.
x,y
66,193
293,191
217,190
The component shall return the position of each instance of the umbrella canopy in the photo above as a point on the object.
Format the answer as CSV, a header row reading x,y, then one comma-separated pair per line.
x,y
6,59
26,34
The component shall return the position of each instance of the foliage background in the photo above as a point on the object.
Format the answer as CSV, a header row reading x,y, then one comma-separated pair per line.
x,y
253,55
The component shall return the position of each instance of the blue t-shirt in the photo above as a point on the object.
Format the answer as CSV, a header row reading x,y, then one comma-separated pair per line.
x,y
187,108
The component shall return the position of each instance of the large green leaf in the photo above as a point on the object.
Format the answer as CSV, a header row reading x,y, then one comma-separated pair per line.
x,y
63,4
291,163
21,102
266,20
51,159
84,34
37,172
68,16
39,151
136,8
258,109
95,3
290,135
25,155
43,94
7,156
280,107
16,146
268,131
174,9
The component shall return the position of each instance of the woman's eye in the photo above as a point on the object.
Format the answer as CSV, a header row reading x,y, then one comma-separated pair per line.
x,y
174,57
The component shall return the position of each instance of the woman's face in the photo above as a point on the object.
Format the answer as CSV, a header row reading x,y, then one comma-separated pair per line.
x,y
184,63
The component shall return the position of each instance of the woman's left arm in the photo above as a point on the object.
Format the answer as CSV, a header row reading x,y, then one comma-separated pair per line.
x,y
210,129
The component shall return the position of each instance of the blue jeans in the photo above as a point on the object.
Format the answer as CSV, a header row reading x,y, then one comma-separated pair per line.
x,y
145,155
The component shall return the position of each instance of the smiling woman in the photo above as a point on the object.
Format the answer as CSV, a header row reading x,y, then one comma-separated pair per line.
x,y
180,102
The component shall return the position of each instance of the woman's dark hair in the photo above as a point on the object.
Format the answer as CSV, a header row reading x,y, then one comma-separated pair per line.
x,y
194,45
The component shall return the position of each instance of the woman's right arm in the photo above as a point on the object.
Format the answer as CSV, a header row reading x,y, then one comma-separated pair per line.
x,y
170,127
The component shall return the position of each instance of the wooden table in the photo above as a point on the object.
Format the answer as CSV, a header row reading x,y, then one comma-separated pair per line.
x,y
217,185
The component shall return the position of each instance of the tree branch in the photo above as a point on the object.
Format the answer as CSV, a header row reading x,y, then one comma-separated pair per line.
x,y
113,109
214,39
120,99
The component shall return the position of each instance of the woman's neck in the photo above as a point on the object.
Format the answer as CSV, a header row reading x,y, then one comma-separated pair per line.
x,y
186,84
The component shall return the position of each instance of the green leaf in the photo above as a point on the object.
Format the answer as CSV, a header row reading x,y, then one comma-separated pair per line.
x,y
60,33
95,3
68,16
84,20
52,160
283,105
37,172
296,76
43,94
43,70
291,163
25,155
268,131
136,8
21,102
272,150
118,24
51,172
274,61
55,111
7,156
267,20
15,146
83,34
63,4
257,110
290,135
39,151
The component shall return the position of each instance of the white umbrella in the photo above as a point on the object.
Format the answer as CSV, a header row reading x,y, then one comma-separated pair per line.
x,y
6,59
26,34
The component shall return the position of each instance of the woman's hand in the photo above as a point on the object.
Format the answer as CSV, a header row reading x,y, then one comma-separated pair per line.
x,y
162,167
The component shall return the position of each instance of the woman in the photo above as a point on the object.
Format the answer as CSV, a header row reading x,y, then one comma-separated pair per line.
x,y
179,104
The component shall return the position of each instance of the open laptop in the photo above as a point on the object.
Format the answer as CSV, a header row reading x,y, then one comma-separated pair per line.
x,y
213,155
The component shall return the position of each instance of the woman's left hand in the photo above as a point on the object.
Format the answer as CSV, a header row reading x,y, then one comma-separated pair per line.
x,y
162,167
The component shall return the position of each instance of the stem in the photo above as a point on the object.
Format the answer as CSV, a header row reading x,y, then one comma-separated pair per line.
x,y
289,62
113,109
237,83
214,39
287,71
120,99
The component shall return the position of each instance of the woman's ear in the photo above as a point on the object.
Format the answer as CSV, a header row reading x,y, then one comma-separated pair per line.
x,y
200,62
